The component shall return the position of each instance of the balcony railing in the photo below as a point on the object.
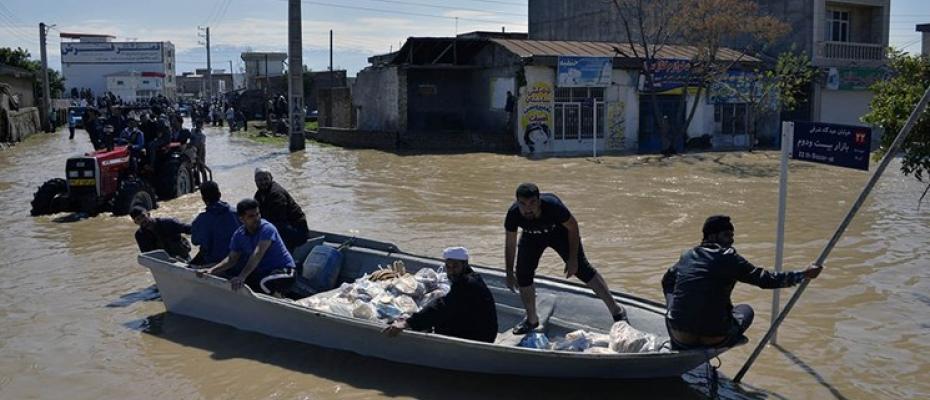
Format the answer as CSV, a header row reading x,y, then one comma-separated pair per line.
x,y
852,51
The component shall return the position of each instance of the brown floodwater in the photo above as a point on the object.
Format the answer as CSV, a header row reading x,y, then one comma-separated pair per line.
x,y
79,318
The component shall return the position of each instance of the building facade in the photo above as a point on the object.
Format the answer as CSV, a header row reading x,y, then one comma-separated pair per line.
x,y
133,86
22,84
260,66
88,59
845,39
194,84
494,92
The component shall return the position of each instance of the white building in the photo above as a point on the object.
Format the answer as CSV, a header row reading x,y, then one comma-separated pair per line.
x,y
90,58
261,65
134,86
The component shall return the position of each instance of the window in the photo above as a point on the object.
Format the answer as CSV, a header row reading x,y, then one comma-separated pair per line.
x,y
574,113
119,83
837,26
145,82
730,118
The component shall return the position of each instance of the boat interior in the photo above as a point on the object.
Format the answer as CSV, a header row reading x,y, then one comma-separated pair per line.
x,y
563,306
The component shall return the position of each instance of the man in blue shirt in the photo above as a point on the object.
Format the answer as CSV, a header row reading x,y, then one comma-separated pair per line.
x,y
269,267
213,229
132,136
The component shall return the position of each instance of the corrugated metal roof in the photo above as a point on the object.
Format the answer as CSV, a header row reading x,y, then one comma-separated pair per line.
x,y
554,48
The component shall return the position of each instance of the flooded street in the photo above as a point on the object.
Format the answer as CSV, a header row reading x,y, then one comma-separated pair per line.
x,y
77,320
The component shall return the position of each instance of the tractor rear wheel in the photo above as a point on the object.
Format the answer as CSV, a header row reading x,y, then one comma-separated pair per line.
x,y
175,179
52,197
132,193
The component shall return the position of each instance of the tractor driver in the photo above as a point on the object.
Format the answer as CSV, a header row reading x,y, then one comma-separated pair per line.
x,y
133,137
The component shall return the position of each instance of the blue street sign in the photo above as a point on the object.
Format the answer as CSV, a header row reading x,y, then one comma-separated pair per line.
x,y
840,145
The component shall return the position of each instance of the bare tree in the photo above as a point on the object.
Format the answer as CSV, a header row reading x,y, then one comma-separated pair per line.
x,y
719,32
718,24
645,24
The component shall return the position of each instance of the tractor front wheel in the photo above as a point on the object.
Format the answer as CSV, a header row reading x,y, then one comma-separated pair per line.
x,y
132,193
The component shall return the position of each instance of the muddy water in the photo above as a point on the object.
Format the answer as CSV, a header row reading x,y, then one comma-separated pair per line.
x,y
77,320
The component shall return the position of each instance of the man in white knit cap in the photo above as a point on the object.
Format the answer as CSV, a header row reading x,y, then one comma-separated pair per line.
x,y
466,312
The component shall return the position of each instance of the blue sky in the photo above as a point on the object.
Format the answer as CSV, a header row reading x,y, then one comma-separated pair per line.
x,y
362,27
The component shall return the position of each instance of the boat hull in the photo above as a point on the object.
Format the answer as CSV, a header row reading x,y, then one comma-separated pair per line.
x,y
206,297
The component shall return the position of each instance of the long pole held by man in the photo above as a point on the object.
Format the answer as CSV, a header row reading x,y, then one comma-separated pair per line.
x,y
841,229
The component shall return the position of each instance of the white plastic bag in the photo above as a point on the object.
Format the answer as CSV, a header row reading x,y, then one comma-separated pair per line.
x,y
406,304
428,277
364,311
430,297
626,339
342,306
573,341
406,284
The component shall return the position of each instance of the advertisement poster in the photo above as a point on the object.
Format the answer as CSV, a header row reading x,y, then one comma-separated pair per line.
x,y
536,115
585,71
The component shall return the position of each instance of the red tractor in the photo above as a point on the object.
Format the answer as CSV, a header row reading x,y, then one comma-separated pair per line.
x,y
108,180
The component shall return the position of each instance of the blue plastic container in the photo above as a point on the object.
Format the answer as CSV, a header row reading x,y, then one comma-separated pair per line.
x,y
321,268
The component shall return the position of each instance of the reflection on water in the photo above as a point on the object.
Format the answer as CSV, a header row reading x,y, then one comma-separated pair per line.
x,y
79,317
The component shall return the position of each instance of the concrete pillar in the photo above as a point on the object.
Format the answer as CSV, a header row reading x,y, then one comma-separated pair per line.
x,y
924,30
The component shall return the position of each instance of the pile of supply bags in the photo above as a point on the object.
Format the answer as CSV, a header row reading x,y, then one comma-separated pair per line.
x,y
386,294
623,338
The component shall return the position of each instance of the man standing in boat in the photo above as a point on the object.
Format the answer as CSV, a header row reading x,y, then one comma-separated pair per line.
x,y
467,311
268,268
279,208
697,289
546,223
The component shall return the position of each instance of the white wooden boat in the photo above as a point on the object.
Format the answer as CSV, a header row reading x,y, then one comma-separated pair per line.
x,y
569,306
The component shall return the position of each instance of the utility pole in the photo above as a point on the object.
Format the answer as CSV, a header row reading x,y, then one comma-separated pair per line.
x,y
232,77
295,76
209,76
46,91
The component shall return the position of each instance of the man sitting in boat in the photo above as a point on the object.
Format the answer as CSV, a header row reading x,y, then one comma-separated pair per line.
x,y
213,229
268,267
546,222
466,312
697,289
161,234
280,209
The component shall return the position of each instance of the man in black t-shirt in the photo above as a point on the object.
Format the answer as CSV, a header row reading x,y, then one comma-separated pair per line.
x,y
546,222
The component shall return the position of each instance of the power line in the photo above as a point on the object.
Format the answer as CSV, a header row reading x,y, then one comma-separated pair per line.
x,y
222,13
410,3
486,21
501,2
214,11
14,24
